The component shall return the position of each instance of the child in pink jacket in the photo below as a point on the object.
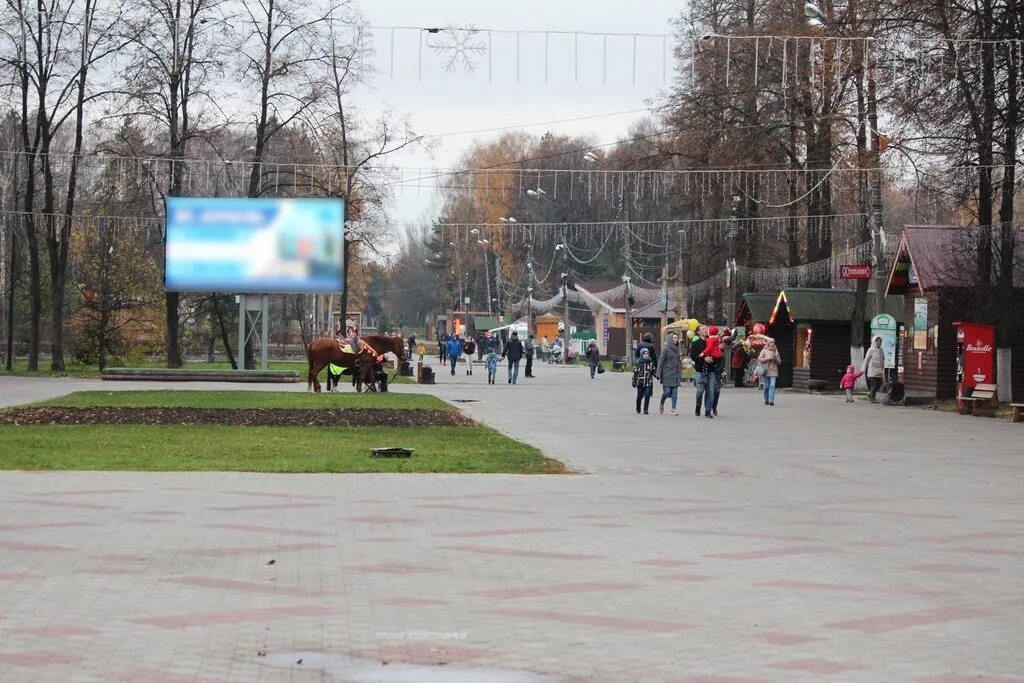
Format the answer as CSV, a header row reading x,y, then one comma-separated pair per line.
x,y
849,381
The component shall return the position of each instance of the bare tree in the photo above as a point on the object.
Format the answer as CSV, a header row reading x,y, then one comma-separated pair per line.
x,y
176,53
58,46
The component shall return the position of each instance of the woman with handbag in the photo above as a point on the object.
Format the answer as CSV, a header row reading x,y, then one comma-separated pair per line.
x,y
594,359
769,361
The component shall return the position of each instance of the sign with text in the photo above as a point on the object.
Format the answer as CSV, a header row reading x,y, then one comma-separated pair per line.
x,y
855,272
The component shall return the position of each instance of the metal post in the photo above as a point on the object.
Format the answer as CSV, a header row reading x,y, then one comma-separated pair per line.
x,y
10,281
487,277
729,300
241,329
565,295
664,293
877,228
625,278
529,310
264,330
629,327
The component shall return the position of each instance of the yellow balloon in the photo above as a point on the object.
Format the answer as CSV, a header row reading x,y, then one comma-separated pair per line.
x,y
693,324
689,334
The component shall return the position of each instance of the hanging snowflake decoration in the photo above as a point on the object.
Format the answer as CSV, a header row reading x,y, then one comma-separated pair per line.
x,y
460,46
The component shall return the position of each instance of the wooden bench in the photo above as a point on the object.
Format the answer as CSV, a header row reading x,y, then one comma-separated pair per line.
x,y
619,364
1016,415
981,403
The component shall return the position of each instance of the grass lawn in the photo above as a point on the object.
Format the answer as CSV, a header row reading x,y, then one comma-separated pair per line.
x,y
179,448
183,448
245,399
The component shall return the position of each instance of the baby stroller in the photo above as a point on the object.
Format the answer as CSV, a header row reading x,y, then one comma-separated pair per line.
x,y
555,356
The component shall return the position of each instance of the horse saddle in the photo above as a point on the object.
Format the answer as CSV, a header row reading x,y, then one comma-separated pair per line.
x,y
345,347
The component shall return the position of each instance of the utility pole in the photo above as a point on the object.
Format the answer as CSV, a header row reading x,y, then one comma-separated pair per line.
x,y
877,229
529,288
664,293
729,300
565,295
680,298
629,307
487,277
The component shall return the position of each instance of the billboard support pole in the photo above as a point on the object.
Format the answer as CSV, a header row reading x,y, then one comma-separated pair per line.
x,y
264,329
241,330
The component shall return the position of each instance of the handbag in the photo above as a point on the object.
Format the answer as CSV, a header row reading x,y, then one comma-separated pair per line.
x,y
600,369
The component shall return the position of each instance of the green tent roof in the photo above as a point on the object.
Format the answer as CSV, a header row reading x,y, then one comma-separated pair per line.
x,y
485,323
834,305
760,305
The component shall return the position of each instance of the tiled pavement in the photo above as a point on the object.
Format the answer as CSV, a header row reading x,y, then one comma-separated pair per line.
x,y
813,541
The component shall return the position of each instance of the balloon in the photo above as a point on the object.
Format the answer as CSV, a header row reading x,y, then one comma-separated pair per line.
x,y
758,328
693,324
689,334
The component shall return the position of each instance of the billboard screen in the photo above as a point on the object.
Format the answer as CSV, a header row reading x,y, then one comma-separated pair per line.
x,y
254,245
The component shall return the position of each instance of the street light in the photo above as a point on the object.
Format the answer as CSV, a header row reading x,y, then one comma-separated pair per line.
x,y
815,17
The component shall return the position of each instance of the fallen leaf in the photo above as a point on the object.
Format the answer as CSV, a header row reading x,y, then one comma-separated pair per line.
x,y
299,662
272,562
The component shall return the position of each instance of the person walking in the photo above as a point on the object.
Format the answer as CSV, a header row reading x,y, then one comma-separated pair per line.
x,y
514,352
671,373
528,348
874,368
545,348
481,345
491,361
724,337
643,380
411,343
704,365
454,350
593,358
469,348
739,364
769,360
849,381
442,348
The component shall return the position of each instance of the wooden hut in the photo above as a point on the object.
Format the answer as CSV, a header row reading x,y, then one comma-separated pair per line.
x,y
934,275
811,328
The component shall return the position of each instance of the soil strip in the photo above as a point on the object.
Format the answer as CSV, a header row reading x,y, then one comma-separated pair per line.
x,y
238,417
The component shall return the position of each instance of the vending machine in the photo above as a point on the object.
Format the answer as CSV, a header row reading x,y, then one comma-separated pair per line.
x,y
975,356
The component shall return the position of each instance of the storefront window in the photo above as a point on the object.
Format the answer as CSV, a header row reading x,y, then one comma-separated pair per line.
x,y
803,346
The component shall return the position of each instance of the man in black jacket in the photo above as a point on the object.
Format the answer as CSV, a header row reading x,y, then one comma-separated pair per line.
x,y
647,342
707,373
514,352
528,348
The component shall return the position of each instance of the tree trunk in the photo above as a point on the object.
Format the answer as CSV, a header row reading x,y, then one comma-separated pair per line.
x,y
343,299
224,333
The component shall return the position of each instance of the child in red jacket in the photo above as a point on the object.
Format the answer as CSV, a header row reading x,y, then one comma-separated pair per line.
x,y
713,348
849,381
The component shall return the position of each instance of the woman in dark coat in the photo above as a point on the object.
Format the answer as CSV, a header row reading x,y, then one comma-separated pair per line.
x,y
671,371
593,358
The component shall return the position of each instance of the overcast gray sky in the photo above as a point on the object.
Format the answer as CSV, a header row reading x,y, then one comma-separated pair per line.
x,y
571,82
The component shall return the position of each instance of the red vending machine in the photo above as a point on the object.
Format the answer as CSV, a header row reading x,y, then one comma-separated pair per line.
x,y
975,356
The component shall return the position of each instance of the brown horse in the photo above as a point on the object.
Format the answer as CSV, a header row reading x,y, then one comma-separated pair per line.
x,y
320,352
325,350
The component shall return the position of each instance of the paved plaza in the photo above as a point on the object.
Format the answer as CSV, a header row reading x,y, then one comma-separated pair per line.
x,y
810,541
